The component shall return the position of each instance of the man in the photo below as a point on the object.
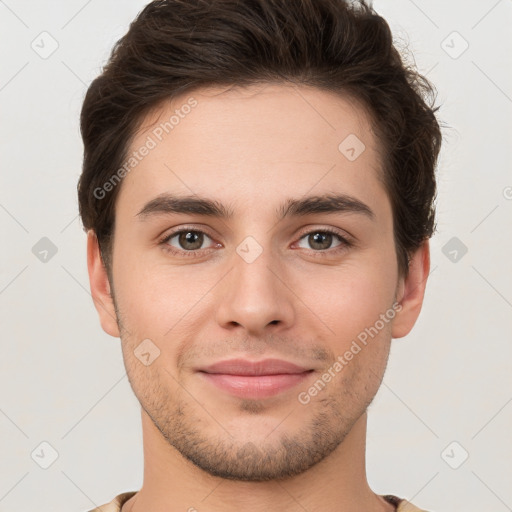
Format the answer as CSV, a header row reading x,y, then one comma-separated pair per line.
x,y
257,189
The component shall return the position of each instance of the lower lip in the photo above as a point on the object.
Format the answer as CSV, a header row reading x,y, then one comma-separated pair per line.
x,y
256,386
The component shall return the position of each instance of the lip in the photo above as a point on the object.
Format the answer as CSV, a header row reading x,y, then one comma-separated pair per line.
x,y
255,379
246,367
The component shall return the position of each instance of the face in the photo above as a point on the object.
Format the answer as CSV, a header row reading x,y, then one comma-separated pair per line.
x,y
268,268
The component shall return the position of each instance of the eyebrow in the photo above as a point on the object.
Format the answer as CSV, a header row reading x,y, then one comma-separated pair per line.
x,y
166,204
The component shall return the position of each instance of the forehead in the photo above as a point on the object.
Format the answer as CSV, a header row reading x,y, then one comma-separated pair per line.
x,y
253,143
265,110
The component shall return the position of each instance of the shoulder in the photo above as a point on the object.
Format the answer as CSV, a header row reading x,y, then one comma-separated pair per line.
x,y
116,504
402,505
407,506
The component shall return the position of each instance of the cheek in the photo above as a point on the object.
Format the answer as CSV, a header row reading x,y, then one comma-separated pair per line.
x,y
145,293
348,301
162,303
147,381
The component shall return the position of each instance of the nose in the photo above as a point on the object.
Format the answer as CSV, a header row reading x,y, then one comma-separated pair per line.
x,y
255,296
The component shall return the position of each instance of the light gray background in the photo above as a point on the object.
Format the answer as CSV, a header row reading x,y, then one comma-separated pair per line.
x,y
62,378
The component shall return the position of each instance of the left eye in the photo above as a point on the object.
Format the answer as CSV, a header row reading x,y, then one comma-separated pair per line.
x,y
321,240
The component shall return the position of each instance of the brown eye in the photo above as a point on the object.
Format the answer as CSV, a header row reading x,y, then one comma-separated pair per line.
x,y
321,240
186,240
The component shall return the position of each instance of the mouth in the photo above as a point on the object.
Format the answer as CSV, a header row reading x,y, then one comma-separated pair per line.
x,y
255,379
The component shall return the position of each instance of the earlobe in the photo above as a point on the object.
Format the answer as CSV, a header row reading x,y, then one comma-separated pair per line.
x,y
100,286
411,291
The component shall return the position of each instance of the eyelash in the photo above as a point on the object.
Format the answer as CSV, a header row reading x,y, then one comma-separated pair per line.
x,y
345,243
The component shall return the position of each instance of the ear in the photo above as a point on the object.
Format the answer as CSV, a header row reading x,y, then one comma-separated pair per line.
x,y
411,290
100,287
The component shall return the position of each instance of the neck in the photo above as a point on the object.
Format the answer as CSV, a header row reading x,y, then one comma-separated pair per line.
x,y
337,483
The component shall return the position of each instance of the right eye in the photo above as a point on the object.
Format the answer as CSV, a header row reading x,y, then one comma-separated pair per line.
x,y
184,241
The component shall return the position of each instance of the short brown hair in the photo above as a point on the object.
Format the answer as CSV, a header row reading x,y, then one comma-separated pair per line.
x,y
176,46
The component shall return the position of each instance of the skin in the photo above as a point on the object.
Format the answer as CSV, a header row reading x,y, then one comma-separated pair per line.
x,y
251,149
